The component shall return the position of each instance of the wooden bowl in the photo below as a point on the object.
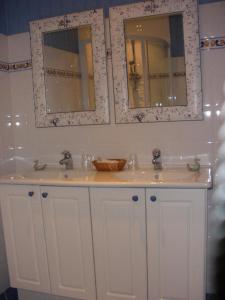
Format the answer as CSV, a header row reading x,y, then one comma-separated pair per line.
x,y
111,164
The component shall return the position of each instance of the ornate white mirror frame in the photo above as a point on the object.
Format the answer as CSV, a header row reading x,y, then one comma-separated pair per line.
x,y
193,109
100,115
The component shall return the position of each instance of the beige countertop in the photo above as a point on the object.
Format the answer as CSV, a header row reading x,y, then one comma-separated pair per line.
x,y
178,177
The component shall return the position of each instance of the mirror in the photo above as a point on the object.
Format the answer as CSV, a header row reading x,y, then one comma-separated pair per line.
x,y
69,70
155,61
156,48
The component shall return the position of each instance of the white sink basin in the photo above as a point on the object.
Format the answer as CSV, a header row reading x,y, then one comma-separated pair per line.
x,y
152,175
134,175
175,175
56,174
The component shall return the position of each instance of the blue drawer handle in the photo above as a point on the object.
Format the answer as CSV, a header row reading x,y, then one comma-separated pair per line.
x,y
30,194
153,198
44,195
135,198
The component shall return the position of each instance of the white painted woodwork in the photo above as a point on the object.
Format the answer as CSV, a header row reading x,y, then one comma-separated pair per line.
x,y
4,274
24,237
119,235
176,244
69,242
49,242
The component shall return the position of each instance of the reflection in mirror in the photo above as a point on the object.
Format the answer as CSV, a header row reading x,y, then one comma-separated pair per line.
x,y
68,70
155,61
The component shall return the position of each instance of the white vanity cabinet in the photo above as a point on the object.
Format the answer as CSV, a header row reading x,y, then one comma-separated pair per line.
x,y
176,224
119,236
24,237
48,239
67,223
114,242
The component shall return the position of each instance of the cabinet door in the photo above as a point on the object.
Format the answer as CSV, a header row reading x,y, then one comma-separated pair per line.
x,y
119,234
176,244
69,241
24,237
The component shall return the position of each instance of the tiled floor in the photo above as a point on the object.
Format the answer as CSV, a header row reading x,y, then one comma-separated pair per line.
x,y
210,297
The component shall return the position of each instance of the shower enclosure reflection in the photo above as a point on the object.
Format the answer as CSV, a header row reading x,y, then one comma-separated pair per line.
x,y
68,70
155,61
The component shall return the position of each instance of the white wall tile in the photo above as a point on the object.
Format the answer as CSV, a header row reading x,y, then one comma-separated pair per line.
x,y
212,23
6,141
4,48
19,47
4,277
212,19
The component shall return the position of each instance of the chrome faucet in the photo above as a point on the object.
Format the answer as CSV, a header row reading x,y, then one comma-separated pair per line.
x,y
67,160
157,162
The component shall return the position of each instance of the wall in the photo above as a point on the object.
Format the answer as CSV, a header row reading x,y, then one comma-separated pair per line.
x,y
6,144
212,23
6,131
3,28
19,13
179,141
175,139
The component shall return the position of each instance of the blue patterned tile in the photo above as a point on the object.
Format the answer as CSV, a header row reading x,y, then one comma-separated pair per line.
x,y
212,43
15,15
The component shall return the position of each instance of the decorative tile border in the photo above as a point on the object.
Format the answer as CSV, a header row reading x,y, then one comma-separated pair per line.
x,y
15,66
4,67
166,75
212,43
61,73
53,72
20,66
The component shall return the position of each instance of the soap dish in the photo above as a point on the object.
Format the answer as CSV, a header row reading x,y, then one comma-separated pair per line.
x,y
109,164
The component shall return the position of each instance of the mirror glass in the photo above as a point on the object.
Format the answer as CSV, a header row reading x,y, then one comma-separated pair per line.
x,y
155,59
68,70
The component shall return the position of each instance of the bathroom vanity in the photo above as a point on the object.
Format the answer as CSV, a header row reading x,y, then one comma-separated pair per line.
x,y
97,235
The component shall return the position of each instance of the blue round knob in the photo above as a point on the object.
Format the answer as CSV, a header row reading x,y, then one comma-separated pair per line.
x,y
153,198
135,198
44,195
30,194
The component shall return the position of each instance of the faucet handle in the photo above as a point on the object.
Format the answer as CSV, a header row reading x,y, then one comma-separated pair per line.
x,y
66,154
156,152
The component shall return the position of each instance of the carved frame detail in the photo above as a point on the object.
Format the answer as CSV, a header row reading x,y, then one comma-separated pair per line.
x,y
193,109
95,19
